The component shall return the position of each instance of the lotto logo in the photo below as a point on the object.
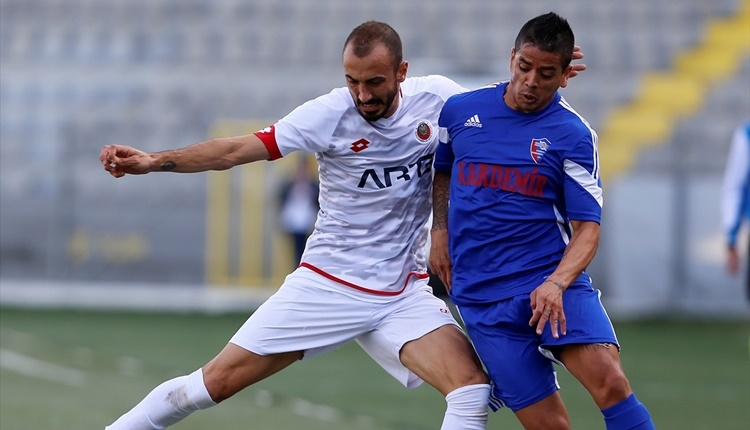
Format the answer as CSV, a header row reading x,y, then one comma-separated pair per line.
x,y
360,145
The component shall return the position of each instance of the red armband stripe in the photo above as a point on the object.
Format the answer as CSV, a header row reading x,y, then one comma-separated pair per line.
x,y
268,137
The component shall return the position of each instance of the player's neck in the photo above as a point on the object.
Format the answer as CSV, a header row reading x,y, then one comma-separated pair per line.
x,y
395,105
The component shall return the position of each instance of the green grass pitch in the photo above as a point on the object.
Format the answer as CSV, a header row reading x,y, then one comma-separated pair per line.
x,y
80,370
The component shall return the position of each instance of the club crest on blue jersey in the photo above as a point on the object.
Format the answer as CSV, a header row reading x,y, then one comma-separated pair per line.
x,y
539,148
424,131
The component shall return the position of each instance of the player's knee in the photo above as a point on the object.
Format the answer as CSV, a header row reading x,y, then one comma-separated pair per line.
x,y
474,371
613,389
546,414
219,384
467,375
477,377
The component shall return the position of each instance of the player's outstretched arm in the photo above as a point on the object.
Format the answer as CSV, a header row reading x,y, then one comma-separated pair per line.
x,y
215,154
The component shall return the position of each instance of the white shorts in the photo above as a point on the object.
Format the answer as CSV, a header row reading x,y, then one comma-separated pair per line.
x,y
313,314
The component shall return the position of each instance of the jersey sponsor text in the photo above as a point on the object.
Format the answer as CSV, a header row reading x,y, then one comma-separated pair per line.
x,y
526,182
421,167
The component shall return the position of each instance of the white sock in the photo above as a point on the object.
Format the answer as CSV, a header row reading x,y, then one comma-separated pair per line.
x,y
167,404
467,408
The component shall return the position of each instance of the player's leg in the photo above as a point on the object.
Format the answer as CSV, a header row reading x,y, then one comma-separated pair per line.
x,y
418,340
523,379
427,357
445,359
598,368
546,414
299,317
592,356
233,369
236,368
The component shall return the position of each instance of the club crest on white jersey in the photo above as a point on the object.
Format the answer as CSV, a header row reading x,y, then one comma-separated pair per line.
x,y
424,131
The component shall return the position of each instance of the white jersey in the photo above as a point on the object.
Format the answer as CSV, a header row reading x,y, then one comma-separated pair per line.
x,y
375,183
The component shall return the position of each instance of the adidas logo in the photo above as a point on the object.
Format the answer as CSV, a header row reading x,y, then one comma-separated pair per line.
x,y
473,122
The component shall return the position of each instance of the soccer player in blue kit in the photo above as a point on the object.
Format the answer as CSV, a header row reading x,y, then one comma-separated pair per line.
x,y
735,197
521,170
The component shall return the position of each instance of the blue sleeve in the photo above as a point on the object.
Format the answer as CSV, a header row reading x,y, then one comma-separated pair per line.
x,y
582,185
444,155
736,184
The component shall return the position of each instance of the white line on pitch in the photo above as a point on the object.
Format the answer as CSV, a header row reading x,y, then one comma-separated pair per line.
x,y
30,366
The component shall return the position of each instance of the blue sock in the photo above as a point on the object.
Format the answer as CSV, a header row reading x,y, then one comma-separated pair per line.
x,y
629,414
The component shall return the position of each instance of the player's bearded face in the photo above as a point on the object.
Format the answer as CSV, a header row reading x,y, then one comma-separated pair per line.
x,y
373,81
377,106
536,76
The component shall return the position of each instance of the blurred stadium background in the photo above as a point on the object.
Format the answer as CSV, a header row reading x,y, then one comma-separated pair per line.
x,y
666,84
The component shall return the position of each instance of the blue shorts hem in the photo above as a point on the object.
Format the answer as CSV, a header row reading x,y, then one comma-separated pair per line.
x,y
539,398
579,341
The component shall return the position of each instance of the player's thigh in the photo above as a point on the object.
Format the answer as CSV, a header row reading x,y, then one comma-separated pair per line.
x,y
301,316
508,347
598,368
417,338
444,358
590,349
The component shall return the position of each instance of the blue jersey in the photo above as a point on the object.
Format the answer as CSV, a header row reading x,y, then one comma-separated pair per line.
x,y
517,179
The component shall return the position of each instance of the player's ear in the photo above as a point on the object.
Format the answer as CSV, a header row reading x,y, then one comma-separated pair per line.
x,y
401,74
565,76
512,56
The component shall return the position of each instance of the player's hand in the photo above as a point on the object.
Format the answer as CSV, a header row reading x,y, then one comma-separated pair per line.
x,y
576,67
547,306
120,160
733,261
440,261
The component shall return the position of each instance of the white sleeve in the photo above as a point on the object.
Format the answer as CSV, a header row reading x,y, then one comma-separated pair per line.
x,y
436,84
310,126
735,175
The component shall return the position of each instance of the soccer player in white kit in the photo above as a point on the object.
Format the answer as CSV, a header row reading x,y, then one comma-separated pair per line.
x,y
363,275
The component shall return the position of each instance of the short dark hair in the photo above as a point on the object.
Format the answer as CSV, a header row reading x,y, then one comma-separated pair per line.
x,y
369,34
551,33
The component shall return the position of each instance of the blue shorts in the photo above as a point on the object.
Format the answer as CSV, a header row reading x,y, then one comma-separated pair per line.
x,y
520,362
